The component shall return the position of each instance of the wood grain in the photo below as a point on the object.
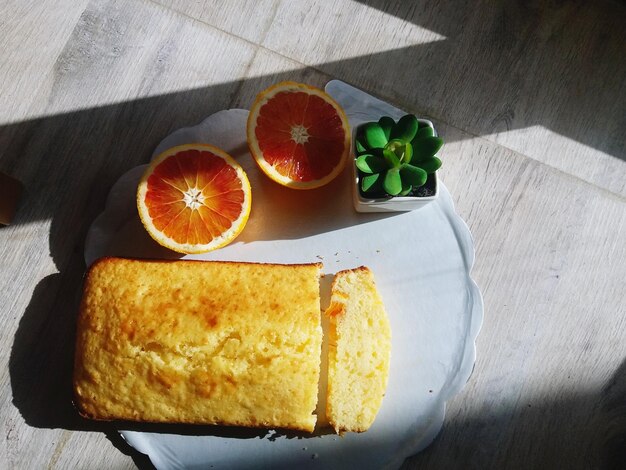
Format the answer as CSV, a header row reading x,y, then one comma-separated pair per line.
x,y
32,34
552,351
248,19
544,79
87,90
129,74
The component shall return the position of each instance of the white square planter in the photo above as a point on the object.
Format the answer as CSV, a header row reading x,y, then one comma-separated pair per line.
x,y
390,203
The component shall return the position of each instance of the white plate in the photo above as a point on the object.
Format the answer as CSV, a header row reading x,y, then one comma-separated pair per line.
x,y
421,260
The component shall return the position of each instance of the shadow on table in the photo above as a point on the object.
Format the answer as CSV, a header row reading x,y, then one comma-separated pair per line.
x,y
42,359
42,351
508,65
41,366
569,431
509,54
542,434
69,162
73,160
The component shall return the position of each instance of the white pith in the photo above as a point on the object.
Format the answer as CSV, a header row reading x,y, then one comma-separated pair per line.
x,y
194,198
299,134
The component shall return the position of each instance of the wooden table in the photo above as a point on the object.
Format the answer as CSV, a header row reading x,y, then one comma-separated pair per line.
x,y
530,99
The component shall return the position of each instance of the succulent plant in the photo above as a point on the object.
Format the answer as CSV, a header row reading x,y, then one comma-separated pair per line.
x,y
396,157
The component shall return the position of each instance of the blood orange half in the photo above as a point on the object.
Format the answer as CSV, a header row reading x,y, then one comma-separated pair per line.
x,y
298,135
194,198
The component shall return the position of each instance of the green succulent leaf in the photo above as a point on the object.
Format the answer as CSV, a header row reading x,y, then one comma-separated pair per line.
x,y
359,141
405,129
408,153
372,183
413,175
430,165
424,132
393,182
392,159
371,164
406,188
387,124
403,150
374,135
426,148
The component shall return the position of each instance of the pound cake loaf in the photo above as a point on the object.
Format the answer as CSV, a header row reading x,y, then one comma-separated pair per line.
x,y
199,342
359,349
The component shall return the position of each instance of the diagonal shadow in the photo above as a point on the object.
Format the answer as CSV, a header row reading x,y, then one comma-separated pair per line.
x,y
552,429
510,65
570,431
68,162
504,53
78,156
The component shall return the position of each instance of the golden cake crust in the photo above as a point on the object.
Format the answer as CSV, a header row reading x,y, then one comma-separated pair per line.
x,y
199,342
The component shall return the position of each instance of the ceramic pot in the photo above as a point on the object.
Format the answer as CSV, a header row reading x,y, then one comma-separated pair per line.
x,y
365,203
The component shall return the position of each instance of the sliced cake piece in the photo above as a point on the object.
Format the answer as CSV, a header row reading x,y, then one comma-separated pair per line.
x,y
359,349
200,342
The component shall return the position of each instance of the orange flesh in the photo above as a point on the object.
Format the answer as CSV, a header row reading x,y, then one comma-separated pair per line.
x,y
305,161
216,182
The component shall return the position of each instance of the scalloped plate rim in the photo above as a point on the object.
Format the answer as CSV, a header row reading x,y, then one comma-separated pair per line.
x,y
475,306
